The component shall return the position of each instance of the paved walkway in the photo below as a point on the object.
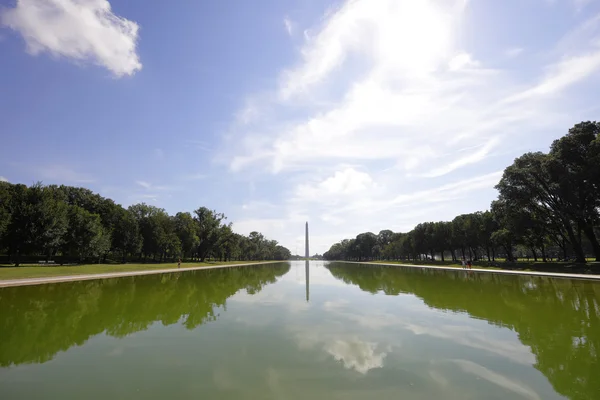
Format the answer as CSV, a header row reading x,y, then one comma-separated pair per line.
x,y
56,279
494,271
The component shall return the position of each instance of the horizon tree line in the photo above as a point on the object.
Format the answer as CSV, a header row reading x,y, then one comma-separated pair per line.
x,y
548,207
78,225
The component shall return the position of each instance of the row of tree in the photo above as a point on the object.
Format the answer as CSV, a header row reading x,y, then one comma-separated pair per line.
x,y
548,207
73,222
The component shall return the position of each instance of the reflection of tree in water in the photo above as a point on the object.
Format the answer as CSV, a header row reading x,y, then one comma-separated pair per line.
x,y
36,322
558,318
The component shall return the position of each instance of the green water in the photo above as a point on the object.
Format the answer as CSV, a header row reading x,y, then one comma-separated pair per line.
x,y
354,332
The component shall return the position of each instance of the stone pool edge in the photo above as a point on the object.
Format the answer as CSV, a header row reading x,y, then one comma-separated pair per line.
x,y
108,275
593,277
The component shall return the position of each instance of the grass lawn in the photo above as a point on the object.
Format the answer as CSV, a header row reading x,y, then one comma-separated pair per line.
x,y
35,271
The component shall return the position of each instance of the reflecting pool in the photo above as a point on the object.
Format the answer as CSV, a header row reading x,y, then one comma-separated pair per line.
x,y
298,331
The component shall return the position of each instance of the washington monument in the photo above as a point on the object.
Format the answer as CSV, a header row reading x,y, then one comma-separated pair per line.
x,y
306,243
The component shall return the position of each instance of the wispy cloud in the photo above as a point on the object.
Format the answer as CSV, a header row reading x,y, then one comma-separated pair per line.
x,y
200,145
403,112
80,30
195,177
3,179
561,76
61,174
471,158
580,4
289,26
513,51
462,61
149,186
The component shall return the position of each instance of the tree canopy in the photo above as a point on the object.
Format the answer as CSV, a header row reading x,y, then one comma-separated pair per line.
x,y
77,225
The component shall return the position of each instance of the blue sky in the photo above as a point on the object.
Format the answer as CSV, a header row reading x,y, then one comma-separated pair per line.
x,y
354,115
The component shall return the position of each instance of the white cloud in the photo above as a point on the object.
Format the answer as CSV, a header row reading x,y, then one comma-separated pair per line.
x,y
382,30
462,61
200,145
3,179
465,160
62,174
81,30
195,177
345,182
561,75
144,184
149,186
384,101
513,52
289,26
580,4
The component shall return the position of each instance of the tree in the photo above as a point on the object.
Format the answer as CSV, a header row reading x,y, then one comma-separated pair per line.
x,y
207,227
574,167
281,253
186,231
5,213
85,237
37,222
68,221
126,237
153,228
442,234
528,184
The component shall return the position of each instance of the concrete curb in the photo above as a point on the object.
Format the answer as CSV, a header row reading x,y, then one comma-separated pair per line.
x,y
493,271
70,278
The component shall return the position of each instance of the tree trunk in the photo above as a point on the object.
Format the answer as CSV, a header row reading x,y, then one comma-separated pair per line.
x,y
509,254
576,244
543,253
591,235
442,253
487,251
534,253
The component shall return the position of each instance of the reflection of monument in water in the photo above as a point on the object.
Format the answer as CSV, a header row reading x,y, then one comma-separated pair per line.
x,y
306,272
306,262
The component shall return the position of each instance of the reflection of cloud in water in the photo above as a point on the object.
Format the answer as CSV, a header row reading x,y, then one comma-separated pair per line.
x,y
223,379
273,298
335,305
117,351
353,352
436,376
356,354
274,378
464,335
500,380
